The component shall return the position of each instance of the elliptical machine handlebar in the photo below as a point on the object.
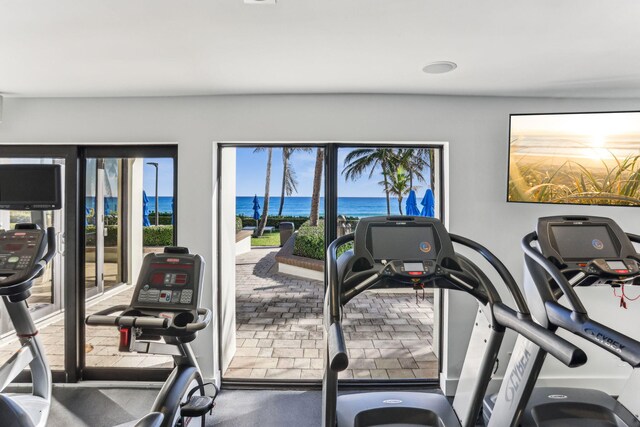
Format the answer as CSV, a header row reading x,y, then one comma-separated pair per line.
x,y
103,318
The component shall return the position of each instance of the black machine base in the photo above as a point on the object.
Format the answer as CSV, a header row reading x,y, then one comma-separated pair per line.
x,y
570,407
395,409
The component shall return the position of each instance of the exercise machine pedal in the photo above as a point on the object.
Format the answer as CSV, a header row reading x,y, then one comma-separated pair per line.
x,y
197,406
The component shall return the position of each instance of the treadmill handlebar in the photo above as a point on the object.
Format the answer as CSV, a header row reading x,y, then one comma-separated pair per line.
x,y
337,347
553,271
559,348
335,290
616,343
500,268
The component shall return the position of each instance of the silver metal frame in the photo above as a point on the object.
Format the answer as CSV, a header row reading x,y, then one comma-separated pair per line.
x,y
31,353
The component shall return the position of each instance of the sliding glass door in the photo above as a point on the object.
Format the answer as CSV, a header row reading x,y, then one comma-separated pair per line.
x,y
105,264
272,278
47,292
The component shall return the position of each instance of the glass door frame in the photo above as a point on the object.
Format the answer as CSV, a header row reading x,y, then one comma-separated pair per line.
x,y
70,270
124,151
100,223
331,178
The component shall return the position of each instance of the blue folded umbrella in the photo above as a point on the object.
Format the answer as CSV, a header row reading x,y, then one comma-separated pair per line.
x,y
145,209
429,204
256,208
412,204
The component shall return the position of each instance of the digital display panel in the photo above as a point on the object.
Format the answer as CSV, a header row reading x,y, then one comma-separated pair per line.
x,y
576,158
402,243
32,187
616,265
584,242
413,266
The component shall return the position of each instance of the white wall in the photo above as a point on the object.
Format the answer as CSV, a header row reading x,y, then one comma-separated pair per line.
x,y
476,128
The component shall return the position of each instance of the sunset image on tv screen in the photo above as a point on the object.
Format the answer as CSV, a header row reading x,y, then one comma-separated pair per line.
x,y
586,158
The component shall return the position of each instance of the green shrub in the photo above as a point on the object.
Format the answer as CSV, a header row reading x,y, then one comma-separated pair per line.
x,y
110,240
309,241
274,221
238,224
161,235
164,218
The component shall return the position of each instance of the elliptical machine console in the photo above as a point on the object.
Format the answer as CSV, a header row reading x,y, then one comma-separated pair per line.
x,y
20,250
163,318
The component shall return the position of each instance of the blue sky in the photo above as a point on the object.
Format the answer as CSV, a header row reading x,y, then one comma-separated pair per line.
x,y
165,177
251,172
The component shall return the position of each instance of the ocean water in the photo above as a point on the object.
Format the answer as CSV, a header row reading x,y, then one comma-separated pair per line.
x,y
301,206
165,204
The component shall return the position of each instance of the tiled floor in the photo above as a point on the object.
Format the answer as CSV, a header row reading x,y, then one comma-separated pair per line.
x,y
102,342
279,327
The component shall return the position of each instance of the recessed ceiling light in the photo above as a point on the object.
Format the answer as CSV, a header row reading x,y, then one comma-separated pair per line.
x,y
260,1
440,67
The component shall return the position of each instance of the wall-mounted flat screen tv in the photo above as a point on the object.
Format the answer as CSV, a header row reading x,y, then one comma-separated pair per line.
x,y
575,158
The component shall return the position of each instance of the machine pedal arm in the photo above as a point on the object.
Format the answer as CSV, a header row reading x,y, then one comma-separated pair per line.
x,y
197,406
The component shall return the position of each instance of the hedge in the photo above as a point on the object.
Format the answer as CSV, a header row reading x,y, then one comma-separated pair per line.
x,y
238,224
309,241
164,219
161,235
275,221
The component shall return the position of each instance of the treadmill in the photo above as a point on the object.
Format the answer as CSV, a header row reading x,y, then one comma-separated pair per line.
x,y
418,252
575,251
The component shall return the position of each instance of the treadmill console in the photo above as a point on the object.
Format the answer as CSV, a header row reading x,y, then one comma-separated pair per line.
x,y
405,250
596,246
169,282
20,249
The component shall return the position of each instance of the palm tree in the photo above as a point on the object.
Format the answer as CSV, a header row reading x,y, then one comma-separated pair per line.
x,y
399,185
265,209
361,159
314,216
289,183
415,161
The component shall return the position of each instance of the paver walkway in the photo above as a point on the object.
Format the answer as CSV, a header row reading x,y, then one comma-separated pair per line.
x,y
101,343
279,327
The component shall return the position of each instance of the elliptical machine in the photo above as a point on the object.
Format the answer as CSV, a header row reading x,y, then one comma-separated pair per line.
x,y
163,318
24,255
575,251
418,251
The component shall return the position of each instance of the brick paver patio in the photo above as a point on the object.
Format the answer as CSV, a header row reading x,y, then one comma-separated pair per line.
x,y
279,327
101,343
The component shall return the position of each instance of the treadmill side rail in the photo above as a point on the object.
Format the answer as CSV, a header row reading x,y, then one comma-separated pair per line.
x,y
478,366
518,382
629,395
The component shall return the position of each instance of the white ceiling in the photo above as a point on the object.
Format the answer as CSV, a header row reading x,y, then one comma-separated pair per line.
x,y
574,48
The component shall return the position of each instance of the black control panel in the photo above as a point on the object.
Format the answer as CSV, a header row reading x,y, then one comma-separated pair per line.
x,y
169,282
20,250
409,272
596,246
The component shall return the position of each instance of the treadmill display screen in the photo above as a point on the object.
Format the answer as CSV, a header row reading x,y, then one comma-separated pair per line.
x,y
413,266
402,243
616,265
584,242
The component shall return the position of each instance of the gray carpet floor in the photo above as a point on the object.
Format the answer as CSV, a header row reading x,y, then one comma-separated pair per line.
x,y
86,406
